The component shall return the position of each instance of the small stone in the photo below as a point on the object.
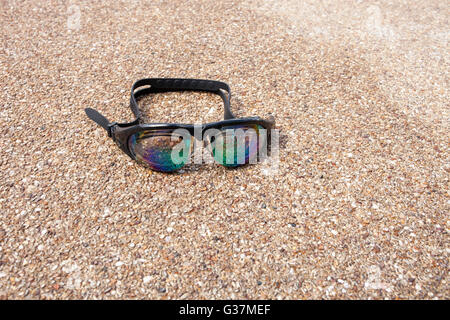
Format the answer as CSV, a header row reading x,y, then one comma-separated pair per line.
x,y
146,279
161,290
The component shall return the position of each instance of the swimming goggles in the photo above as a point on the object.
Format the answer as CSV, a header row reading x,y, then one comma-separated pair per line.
x,y
168,147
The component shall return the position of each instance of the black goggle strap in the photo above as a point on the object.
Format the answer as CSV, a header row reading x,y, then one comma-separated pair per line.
x,y
157,85
101,120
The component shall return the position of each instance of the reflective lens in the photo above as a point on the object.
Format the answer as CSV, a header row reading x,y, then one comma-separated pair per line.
x,y
161,150
237,145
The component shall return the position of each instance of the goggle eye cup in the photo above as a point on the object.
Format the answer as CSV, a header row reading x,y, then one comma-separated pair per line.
x,y
237,145
161,150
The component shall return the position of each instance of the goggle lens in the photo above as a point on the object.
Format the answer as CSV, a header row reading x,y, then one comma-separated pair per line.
x,y
161,150
237,145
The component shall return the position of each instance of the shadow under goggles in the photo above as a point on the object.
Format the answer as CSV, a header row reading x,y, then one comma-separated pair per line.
x,y
168,147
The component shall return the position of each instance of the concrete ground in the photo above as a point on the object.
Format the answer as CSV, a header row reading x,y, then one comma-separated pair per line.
x,y
359,205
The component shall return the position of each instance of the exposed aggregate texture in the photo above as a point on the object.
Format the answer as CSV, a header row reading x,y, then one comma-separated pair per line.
x,y
359,206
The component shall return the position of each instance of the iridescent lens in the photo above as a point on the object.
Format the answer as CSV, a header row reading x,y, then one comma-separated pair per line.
x,y
237,145
161,150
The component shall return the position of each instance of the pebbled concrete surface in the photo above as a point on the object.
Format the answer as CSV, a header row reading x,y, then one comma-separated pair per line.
x,y
359,205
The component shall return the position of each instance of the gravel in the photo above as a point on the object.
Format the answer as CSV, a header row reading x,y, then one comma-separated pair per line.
x,y
358,208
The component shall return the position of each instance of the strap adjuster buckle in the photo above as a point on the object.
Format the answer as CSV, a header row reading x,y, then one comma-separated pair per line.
x,y
110,129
